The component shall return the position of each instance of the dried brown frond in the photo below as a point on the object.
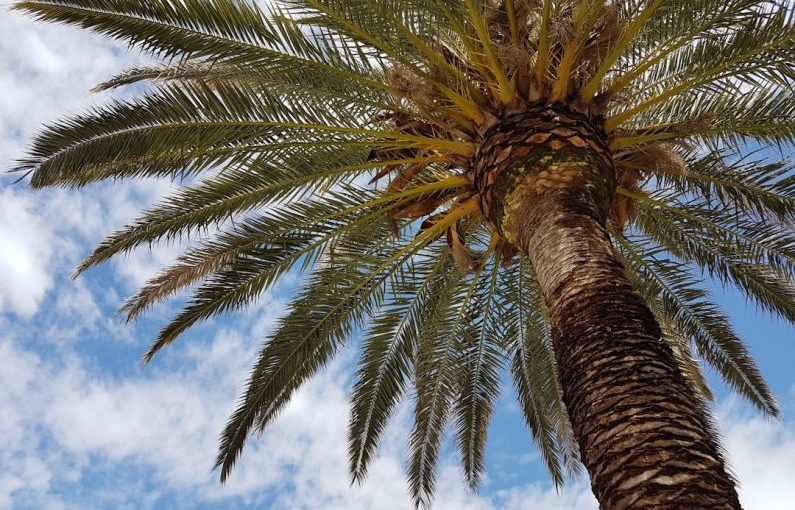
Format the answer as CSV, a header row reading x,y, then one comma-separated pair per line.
x,y
563,26
405,176
514,58
524,9
624,207
408,85
391,154
496,19
508,252
605,34
463,256
417,209
631,167
654,156
455,60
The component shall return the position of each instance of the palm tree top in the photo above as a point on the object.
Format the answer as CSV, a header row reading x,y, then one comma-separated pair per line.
x,y
356,142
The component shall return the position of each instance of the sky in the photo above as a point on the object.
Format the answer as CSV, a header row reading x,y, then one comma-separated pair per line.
x,y
84,425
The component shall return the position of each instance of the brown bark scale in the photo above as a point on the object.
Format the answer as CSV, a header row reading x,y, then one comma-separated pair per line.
x,y
546,182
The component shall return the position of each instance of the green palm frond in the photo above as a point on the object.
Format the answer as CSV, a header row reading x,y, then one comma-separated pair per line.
x,y
750,185
388,354
292,78
179,131
269,119
693,314
730,255
683,351
435,384
272,251
288,235
479,361
755,52
219,29
535,376
338,298
334,304
167,222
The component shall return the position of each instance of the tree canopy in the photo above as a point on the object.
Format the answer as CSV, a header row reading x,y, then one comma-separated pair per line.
x,y
334,138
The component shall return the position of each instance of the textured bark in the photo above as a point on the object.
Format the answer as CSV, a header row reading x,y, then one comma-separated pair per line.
x,y
645,437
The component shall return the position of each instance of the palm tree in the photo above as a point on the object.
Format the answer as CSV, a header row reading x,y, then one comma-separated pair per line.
x,y
548,181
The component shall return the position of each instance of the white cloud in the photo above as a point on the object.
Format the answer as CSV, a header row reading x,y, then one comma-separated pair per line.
x,y
578,497
762,454
65,420
24,471
49,232
46,70
25,254
168,423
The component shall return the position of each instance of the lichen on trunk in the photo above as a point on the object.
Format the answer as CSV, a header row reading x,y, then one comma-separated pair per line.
x,y
546,182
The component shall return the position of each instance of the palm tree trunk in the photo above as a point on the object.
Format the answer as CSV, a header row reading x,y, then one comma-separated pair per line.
x,y
645,436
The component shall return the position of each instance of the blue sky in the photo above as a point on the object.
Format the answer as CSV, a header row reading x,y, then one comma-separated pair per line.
x,y
85,426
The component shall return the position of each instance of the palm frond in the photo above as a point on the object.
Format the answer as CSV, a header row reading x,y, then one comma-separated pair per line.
x,y
180,131
731,259
219,29
760,187
759,55
336,300
166,222
535,376
756,256
434,384
709,330
388,354
479,361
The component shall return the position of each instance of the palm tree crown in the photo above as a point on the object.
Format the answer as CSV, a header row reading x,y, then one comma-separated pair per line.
x,y
345,140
